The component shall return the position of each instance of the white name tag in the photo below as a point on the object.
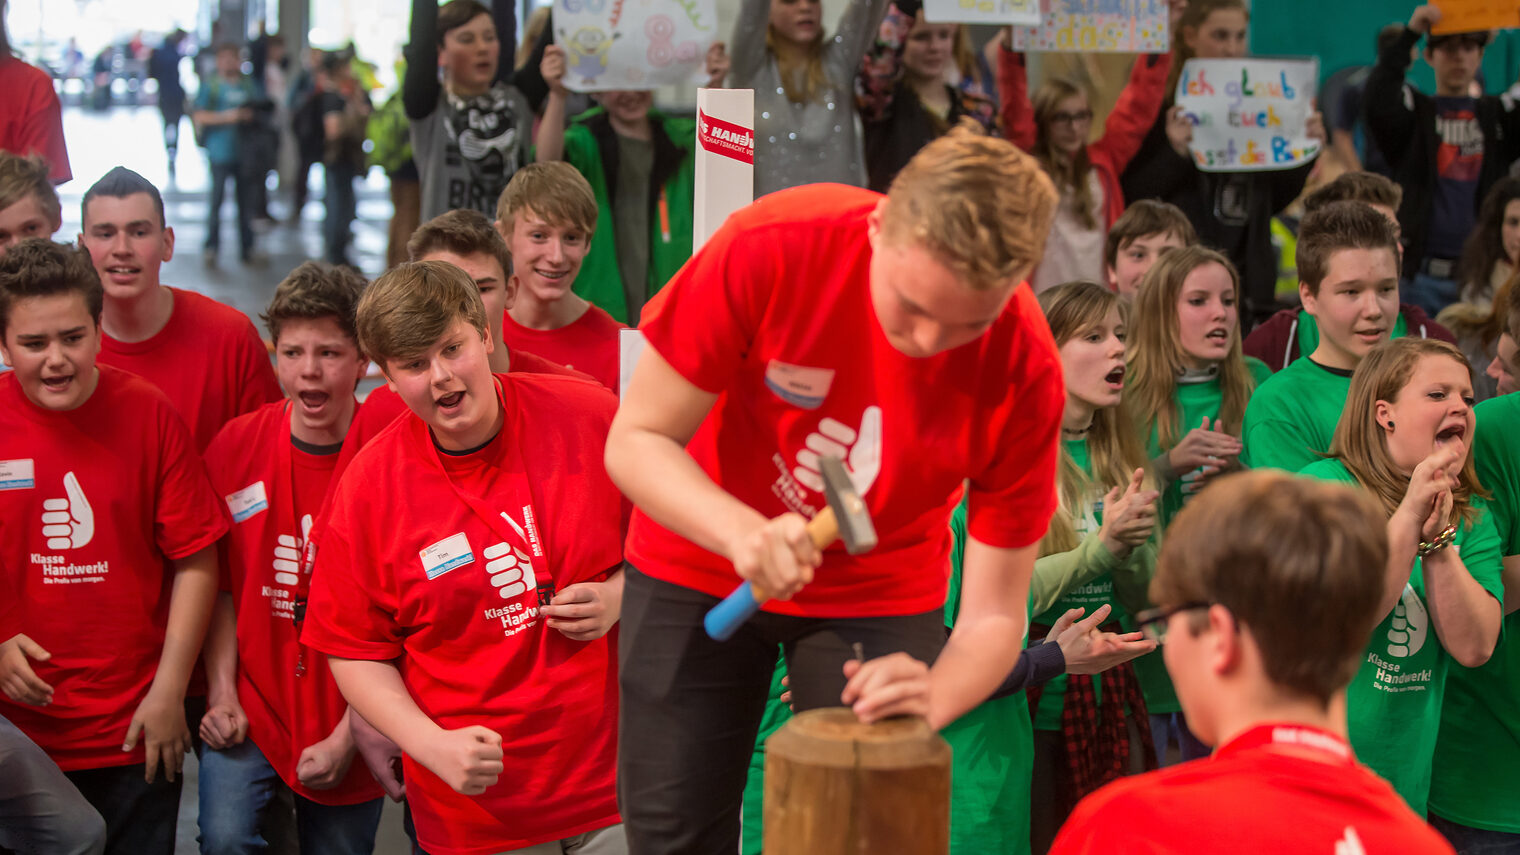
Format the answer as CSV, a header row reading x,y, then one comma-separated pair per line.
x,y
17,474
248,501
445,555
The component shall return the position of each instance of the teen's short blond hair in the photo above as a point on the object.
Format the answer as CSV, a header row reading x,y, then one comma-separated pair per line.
x,y
407,310
28,176
976,203
555,191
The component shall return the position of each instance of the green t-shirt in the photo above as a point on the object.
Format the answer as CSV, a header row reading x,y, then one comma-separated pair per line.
x,y
1393,705
1292,416
1473,782
1308,332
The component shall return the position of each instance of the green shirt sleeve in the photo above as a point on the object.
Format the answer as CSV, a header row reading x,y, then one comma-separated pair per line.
x,y
1276,444
1481,554
1054,575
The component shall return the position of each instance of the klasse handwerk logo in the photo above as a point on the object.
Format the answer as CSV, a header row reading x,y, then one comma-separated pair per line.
x,y
69,522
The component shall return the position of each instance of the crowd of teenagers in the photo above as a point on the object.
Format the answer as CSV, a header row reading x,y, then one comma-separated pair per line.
x,y
1046,357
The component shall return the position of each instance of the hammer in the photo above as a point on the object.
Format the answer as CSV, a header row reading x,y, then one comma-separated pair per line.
x,y
845,518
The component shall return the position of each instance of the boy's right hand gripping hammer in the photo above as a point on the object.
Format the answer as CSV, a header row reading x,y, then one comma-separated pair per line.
x,y
845,518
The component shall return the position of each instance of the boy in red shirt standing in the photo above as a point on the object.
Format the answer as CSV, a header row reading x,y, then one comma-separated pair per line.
x,y
206,357
547,215
1268,592
893,332
108,527
476,635
273,466
29,206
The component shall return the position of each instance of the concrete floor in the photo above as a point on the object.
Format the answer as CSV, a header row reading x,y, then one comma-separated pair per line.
x,y
133,137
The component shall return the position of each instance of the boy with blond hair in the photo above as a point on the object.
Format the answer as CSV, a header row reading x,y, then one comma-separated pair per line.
x,y
477,636
547,216
29,206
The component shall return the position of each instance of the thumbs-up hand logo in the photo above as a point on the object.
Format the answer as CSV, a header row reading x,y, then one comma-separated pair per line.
x,y
287,555
860,450
509,568
68,522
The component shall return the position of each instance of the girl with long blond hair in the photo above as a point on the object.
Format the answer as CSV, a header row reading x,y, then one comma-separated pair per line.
x,y
1098,554
1404,437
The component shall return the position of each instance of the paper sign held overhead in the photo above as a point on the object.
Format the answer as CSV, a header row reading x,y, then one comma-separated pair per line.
x,y
1098,26
1466,16
1026,12
1249,115
725,175
634,44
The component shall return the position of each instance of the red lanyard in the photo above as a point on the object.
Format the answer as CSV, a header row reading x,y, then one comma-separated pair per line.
x,y
1290,735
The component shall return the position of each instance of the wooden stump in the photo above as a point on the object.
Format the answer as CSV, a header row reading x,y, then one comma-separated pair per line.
x,y
835,786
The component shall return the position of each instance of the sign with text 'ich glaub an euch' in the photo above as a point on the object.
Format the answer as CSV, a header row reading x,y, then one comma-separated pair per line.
x,y
1249,115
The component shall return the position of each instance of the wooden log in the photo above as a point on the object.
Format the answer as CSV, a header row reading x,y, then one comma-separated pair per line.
x,y
835,786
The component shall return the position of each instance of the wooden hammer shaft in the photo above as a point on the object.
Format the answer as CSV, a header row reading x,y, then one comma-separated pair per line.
x,y
724,619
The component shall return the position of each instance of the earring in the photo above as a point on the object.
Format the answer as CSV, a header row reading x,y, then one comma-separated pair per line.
x,y
1390,425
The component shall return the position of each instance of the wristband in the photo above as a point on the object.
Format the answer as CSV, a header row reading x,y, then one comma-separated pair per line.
x,y
1442,540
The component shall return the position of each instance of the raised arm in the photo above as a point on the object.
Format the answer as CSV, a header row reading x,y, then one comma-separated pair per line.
x,y
504,16
852,38
1013,90
1137,108
747,47
881,68
1387,104
420,88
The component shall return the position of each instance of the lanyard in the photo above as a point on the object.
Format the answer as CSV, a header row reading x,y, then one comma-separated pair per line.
x,y
664,216
1294,735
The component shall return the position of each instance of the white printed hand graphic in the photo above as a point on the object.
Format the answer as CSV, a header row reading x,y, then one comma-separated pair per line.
x,y
287,555
860,450
509,569
68,522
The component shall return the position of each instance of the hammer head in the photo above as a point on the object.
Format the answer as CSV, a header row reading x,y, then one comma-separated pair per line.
x,y
855,527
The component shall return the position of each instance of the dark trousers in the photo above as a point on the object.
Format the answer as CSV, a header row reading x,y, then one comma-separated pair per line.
x,y
691,706
41,812
1476,841
140,817
242,185
342,208
302,186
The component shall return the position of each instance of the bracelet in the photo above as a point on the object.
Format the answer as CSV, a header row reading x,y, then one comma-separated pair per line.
x,y
1443,540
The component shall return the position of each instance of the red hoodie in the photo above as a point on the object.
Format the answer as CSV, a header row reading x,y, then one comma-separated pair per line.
x,y
1275,342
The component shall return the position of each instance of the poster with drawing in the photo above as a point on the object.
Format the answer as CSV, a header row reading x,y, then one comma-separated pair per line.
x,y
1098,26
634,44
1026,12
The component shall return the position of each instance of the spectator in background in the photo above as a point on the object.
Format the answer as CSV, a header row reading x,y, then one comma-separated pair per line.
x,y
1447,151
1342,97
29,206
345,112
1232,211
304,101
163,67
391,150
223,107
1136,240
31,120
640,164
1491,254
804,89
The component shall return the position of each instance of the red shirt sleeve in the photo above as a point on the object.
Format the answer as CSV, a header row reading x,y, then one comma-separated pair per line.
x,y
189,515
1013,89
704,321
1135,112
352,607
40,129
1012,500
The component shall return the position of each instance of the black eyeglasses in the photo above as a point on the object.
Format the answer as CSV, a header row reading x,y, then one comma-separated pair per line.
x,y
1071,118
1153,622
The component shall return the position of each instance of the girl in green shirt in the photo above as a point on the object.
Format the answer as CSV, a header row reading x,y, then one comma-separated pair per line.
x,y
1403,436
1187,390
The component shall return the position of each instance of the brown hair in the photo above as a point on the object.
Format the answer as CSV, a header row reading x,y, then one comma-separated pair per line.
x,y
1335,227
1484,323
316,290
1155,352
1368,188
1143,218
1195,15
456,13
1360,442
1484,246
1113,447
555,191
1069,174
1299,563
41,268
531,33
28,176
804,80
464,232
409,309
1512,306
977,203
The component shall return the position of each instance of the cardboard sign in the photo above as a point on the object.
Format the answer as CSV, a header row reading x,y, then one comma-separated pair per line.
x,y
1249,115
1098,26
1022,12
1466,16
642,44
725,179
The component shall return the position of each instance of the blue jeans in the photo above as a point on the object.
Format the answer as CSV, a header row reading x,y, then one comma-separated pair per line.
x,y
237,786
1167,728
242,189
40,811
140,817
1430,293
342,208
1476,841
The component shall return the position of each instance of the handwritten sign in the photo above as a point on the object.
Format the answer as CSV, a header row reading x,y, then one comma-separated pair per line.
x,y
1249,115
1466,16
634,44
1022,12
1098,26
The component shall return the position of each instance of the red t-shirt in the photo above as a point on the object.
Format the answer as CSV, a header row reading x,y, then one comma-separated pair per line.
x,y
31,120
208,359
274,491
775,314
1273,789
453,595
589,344
93,504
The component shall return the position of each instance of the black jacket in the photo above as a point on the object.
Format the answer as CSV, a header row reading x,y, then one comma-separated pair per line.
x,y
1403,123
